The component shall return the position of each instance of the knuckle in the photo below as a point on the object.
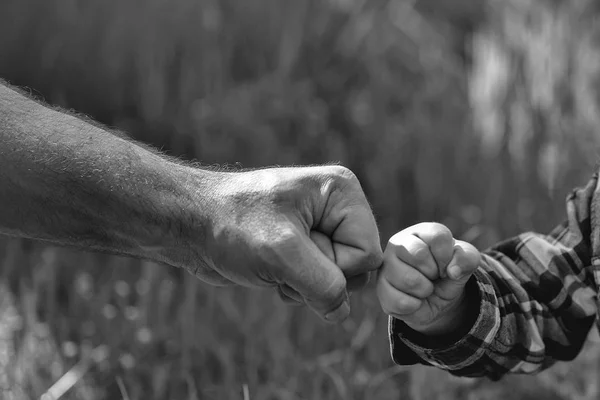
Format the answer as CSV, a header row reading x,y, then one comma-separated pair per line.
x,y
421,254
395,242
342,177
343,172
441,234
397,237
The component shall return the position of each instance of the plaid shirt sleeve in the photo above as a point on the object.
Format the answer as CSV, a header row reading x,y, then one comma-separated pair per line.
x,y
534,301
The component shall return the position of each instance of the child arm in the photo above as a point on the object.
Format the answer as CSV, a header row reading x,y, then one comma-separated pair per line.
x,y
534,300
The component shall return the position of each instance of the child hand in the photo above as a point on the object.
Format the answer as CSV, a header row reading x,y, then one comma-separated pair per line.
x,y
423,277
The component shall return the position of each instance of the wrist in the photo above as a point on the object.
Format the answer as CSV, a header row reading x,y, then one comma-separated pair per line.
x,y
183,210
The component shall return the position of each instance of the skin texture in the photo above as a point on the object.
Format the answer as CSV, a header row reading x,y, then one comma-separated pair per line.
x,y
308,232
422,281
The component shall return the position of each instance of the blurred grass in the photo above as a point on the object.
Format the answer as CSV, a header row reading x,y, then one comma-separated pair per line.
x,y
376,85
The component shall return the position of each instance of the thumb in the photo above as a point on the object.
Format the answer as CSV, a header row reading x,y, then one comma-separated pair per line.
x,y
319,281
465,260
463,264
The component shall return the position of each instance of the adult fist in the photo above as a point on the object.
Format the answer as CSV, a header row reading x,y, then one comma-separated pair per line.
x,y
308,231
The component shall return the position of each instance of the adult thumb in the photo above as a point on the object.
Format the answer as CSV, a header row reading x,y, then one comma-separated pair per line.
x,y
319,281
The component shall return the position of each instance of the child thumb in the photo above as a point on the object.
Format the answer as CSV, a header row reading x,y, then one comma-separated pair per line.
x,y
465,260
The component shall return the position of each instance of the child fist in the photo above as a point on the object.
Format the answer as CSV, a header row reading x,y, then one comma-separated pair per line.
x,y
423,277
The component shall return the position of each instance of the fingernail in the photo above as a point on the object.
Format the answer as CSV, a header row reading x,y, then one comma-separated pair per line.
x,y
454,272
340,313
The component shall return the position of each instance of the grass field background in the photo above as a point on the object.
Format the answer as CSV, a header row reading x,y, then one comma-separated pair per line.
x,y
380,86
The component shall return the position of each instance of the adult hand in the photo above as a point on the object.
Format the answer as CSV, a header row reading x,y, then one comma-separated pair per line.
x,y
308,231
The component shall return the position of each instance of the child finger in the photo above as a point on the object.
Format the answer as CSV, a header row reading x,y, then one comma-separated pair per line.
x,y
406,278
440,241
393,302
413,251
464,262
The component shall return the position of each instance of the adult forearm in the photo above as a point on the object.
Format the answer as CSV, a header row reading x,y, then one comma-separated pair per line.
x,y
303,230
67,181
